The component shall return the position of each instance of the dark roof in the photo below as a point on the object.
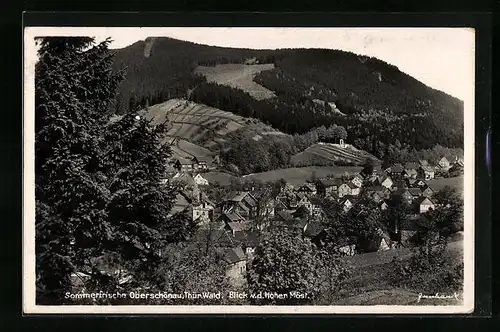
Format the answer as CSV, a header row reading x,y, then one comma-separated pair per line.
x,y
415,191
401,191
239,226
217,237
313,229
421,199
233,255
248,238
331,182
411,165
376,189
315,200
205,159
397,168
352,185
427,168
284,215
233,216
235,196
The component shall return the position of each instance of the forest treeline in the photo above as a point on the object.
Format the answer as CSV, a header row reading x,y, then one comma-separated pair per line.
x,y
380,103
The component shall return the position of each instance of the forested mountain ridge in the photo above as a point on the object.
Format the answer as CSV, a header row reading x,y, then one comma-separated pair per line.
x,y
377,103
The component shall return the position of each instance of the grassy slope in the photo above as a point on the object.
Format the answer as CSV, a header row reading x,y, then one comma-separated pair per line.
x,y
238,76
190,123
456,182
295,176
331,152
370,285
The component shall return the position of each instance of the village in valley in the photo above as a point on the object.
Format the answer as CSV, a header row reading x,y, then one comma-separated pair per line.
x,y
243,210
305,176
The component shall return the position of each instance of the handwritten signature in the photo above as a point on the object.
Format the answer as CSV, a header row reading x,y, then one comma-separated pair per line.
x,y
437,296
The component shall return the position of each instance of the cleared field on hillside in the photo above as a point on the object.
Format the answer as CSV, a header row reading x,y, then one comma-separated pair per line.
x,y
197,129
221,178
456,182
299,175
238,76
295,176
326,152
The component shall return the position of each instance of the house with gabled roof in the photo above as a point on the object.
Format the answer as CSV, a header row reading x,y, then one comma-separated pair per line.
x,y
345,189
423,162
415,183
404,194
377,193
385,181
315,208
328,186
237,227
231,218
406,231
427,191
202,163
426,172
444,163
249,241
355,190
396,170
358,180
344,245
307,188
411,170
183,165
200,180
240,201
346,203
415,192
424,204
236,264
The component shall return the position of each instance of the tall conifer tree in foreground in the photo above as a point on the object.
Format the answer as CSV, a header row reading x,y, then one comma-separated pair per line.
x,y
98,190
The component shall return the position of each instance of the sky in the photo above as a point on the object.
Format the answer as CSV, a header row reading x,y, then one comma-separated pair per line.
x,y
442,58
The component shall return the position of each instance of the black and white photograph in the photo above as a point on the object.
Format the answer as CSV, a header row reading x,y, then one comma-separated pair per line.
x,y
248,170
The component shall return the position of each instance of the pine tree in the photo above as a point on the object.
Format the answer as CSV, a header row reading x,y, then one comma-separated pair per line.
x,y
98,182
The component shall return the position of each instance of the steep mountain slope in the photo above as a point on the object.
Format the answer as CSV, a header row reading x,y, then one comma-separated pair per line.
x,y
202,131
376,103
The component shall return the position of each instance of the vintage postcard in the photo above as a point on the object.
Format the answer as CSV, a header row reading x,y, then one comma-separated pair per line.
x,y
248,170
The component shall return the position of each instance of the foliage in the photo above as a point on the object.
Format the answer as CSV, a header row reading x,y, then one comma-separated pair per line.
x,y
98,192
192,269
333,271
428,270
362,223
283,263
